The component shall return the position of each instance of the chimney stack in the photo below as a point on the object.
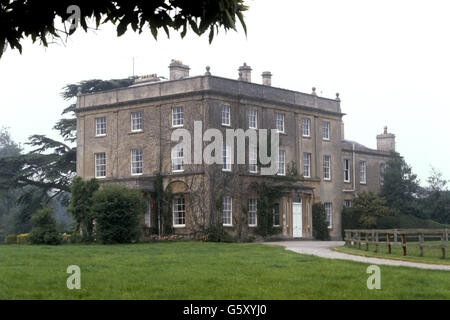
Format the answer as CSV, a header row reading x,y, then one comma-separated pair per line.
x,y
386,141
245,73
267,78
178,70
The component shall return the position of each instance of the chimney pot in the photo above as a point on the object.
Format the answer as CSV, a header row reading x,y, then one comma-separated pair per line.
x,y
267,78
245,73
178,70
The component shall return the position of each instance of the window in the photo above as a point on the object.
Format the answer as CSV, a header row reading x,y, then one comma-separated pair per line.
x,y
136,161
100,126
252,118
226,115
253,159
179,212
177,116
327,167
100,165
346,170
325,130
226,166
329,213
177,159
347,203
252,212
136,121
362,172
276,214
281,162
227,211
147,215
306,127
280,122
382,171
307,165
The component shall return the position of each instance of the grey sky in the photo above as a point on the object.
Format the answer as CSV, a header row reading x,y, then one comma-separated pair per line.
x,y
389,60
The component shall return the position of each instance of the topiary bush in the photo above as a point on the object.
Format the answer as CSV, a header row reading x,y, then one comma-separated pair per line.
x,y
320,226
117,212
11,239
44,229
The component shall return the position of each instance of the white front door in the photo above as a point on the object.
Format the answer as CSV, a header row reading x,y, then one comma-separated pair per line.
x,y
297,218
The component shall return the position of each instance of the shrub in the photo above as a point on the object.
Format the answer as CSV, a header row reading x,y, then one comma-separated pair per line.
x,y
11,239
117,212
23,238
216,233
44,228
320,225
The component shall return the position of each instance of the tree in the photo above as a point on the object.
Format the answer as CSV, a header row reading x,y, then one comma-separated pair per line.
x,y
117,212
81,205
370,208
401,186
44,228
30,18
320,225
436,202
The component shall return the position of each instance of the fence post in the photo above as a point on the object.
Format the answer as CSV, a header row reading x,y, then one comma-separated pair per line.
x,y
359,239
347,240
376,241
404,244
367,241
389,241
395,235
421,241
443,244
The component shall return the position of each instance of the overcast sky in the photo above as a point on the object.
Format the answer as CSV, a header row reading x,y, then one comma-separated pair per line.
x,y
389,60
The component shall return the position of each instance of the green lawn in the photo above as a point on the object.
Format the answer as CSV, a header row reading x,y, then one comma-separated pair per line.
x,y
430,255
195,270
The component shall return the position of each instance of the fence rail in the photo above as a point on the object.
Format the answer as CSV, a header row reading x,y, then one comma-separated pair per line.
x,y
398,237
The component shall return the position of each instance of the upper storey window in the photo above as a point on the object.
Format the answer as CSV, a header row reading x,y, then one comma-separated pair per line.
x,y
325,130
177,116
306,127
100,165
346,170
226,121
327,167
362,172
252,118
136,121
100,126
280,122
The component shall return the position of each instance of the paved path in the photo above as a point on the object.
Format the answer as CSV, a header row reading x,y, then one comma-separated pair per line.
x,y
323,249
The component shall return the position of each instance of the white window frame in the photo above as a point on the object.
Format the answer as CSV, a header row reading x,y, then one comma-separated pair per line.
x,y
227,211
100,163
279,122
362,172
281,162
177,159
306,127
279,216
326,130
326,164
136,121
226,157
252,115
177,116
137,162
179,212
347,170
329,213
253,159
306,165
100,126
252,212
225,115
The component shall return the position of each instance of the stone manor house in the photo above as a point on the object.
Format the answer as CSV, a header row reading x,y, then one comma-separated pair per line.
x,y
124,136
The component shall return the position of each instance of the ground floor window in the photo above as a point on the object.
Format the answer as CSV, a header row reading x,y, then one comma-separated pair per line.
x,y
329,213
252,212
347,203
227,211
179,212
276,214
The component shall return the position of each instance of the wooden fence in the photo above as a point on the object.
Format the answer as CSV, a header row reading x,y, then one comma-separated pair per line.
x,y
398,237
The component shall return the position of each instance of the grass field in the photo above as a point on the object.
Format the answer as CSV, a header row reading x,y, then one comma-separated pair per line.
x,y
431,255
195,270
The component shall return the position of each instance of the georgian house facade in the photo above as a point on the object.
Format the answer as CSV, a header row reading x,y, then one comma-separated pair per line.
x,y
124,136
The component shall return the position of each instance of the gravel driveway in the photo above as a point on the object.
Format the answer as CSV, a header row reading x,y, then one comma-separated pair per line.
x,y
323,249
